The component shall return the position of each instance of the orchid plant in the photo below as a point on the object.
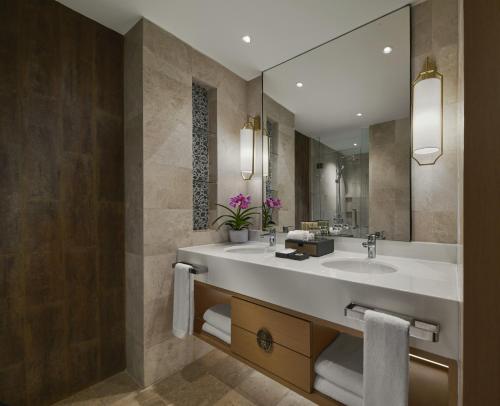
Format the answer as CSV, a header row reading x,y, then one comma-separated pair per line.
x,y
241,213
267,211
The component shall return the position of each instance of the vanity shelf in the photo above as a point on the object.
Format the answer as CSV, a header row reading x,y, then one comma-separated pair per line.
x,y
292,341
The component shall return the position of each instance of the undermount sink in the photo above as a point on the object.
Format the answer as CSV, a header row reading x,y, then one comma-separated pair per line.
x,y
357,265
249,250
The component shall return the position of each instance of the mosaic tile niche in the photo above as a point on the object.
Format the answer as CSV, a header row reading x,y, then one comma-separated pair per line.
x,y
204,135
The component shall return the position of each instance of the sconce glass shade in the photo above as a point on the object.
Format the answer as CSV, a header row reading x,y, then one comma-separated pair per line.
x,y
265,154
247,142
427,116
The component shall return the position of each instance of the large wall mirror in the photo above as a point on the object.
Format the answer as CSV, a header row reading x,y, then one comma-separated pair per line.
x,y
337,133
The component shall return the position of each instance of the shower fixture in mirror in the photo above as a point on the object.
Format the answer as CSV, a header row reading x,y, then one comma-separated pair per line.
x,y
338,133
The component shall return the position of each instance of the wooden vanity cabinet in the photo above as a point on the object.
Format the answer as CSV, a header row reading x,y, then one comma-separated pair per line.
x,y
284,345
284,348
288,331
281,361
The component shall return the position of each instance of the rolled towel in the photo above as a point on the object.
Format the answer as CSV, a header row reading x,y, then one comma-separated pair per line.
x,y
341,363
300,235
386,363
221,335
337,392
219,316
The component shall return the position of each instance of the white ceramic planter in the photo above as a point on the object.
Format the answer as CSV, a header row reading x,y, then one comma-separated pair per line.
x,y
238,235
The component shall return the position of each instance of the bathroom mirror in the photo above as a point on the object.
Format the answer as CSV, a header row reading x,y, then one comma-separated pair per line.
x,y
336,145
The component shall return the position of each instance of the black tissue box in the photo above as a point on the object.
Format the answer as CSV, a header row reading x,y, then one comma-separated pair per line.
x,y
315,248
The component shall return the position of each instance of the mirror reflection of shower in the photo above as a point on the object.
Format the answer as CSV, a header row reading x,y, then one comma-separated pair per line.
x,y
339,219
339,184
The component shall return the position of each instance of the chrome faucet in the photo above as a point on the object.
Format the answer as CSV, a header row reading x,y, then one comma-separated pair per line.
x,y
371,243
272,236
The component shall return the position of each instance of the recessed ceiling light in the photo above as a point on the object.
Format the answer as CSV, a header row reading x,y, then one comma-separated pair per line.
x,y
246,39
387,50
355,144
299,84
359,114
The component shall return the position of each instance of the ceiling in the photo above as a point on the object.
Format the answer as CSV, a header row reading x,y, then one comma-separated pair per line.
x,y
280,29
345,77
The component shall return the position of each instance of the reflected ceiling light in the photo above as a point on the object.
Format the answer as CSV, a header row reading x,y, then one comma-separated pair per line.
x,y
427,115
359,114
387,50
247,147
246,39
299,84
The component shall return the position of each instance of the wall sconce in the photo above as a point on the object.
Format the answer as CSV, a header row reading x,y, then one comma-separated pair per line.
x,y
265,153
247,146
427,115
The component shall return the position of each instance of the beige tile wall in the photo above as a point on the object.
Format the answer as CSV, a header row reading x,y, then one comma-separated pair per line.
x,y
160,70
389,183
435,187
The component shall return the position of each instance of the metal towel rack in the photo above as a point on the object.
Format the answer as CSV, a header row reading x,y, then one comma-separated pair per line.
x,y
194,269
422,330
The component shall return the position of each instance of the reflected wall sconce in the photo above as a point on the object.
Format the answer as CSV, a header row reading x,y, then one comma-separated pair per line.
x,y
266,139
427,115
247,147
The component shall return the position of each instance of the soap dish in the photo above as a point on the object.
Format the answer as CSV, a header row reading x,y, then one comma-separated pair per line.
x,y
295,255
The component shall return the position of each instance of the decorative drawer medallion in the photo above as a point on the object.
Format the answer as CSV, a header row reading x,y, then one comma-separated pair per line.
x,y
265,340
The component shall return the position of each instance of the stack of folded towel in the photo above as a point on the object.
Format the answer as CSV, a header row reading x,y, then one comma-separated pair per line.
x,y
218,322
339,370
374,371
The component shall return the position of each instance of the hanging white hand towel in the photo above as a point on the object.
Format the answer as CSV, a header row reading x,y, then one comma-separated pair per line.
x,y
386,363
183,301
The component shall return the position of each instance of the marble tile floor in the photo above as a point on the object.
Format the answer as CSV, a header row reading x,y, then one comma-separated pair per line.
x,y
215,379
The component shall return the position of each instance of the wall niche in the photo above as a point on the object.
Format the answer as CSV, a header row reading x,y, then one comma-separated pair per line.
x,y
204,156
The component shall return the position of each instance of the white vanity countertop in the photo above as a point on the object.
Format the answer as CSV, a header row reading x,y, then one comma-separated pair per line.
x,y
420,288
416,276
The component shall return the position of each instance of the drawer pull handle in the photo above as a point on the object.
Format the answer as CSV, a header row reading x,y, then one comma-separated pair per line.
x,y
265,340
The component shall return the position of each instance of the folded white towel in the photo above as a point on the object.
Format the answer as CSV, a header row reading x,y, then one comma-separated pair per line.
x,y
341,363
386,360
183,301
219,316
337,392
221,335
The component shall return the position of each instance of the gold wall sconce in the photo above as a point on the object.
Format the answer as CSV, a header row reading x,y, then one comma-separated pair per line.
x,y
247,147
427,115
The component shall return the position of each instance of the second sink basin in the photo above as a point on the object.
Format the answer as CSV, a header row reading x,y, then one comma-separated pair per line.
x,y
357,265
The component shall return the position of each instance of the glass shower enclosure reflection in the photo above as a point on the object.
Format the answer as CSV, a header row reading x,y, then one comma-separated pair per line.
x,y
339,183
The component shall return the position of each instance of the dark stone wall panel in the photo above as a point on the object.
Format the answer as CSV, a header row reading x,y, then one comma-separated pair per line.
x,y
62,323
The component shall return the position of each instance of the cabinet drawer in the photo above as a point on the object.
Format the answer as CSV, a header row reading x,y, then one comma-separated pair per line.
x,y
287,364
288,331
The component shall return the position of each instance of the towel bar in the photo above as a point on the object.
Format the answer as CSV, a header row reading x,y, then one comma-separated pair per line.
x,y
422,330
194,269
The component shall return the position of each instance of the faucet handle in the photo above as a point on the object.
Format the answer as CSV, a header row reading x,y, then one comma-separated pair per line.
x,y
380,235
371,237
269,231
